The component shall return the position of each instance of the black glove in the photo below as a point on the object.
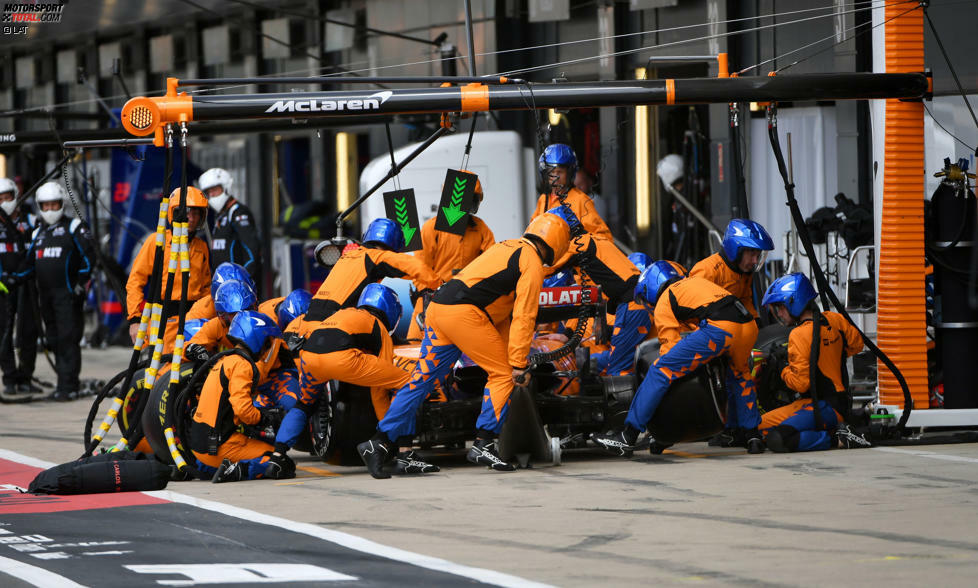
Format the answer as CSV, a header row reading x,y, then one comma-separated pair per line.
x,y
197,353
271,417
280,466
293,341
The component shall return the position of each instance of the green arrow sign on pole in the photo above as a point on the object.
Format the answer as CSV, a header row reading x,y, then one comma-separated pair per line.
x,y
456,200
402,209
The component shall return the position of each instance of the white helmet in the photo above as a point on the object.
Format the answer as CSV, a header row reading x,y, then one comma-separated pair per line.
x,y
670,169
8,185
51,192
216,176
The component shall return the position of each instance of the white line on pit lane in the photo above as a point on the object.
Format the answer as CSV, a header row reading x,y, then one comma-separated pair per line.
x,y
34,575
338,537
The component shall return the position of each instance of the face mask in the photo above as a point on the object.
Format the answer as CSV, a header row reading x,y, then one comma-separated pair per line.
x,y
52,216
218,202
8,206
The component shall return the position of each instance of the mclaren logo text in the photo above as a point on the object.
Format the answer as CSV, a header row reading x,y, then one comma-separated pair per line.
x,y
371,102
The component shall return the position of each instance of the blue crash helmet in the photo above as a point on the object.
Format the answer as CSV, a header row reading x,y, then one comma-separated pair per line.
x,y
565,212
743,233
558,154
384,302
794,291
654,280
228,271
234,296
294,305
385,232
252,329
190,328
559,279
641,260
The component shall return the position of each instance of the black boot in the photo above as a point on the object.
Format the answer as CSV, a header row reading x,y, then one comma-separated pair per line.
x,y
376,453
484,452
409,462
230,471
620,443
754,441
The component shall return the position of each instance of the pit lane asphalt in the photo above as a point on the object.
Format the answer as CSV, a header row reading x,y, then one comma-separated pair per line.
x,y
695,515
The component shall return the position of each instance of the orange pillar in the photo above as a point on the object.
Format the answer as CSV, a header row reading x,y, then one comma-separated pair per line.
x,y
901,325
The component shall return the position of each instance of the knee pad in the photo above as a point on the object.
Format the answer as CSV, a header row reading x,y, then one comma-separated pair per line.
x,y
783,439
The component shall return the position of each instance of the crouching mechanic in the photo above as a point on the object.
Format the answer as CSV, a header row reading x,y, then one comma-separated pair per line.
x,y
745,245
226,272
231,298
225,411
379,257
606,265
353,346
488,312
721,326
61,256
793,428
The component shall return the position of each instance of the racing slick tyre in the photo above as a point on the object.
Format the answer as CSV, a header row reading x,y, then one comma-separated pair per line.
x,y
352,421
695,405
111,389
156,416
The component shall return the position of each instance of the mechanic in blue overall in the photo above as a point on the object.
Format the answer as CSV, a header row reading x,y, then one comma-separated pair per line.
x,y
235,235
225,430
17,316
745,246
354,346
604,264
793,428
488,312
720,325
61,258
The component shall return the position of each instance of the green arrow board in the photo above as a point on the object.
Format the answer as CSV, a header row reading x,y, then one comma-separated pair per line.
x,y
402,209
457,197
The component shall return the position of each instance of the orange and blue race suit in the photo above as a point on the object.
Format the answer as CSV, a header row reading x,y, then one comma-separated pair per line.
x,y
202,309
351,346
446,254
488,312
583,208
359,266
270,307
142,269
609,268
722,327
716,269
796,422
225,403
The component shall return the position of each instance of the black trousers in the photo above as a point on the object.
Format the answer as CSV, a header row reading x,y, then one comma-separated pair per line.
x,y
18,328
64,326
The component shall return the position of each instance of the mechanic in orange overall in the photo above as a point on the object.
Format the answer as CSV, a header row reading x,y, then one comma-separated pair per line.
x,y
379,257
142,268
447,253
225,411
558,165
601,260
354,346
793,428
488,312
231,298
721,325
745,245
204,308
